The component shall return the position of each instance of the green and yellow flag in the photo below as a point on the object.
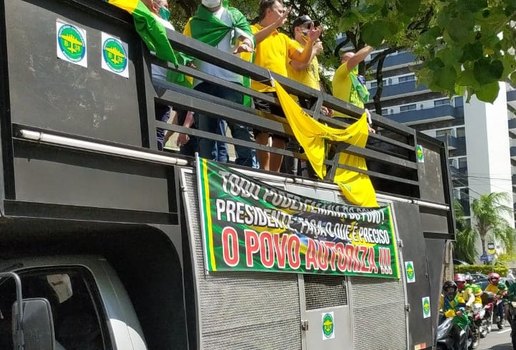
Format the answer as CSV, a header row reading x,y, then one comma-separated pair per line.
x,y
311,135
153,33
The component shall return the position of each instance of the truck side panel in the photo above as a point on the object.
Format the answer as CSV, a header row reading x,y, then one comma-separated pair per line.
x,y
241,310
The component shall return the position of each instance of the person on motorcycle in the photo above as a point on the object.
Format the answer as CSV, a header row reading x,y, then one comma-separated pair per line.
x,y
463,289
511,312
496,290
452,305
474,289
471,293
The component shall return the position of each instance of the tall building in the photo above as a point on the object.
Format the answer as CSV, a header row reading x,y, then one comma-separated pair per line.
x,y
481,137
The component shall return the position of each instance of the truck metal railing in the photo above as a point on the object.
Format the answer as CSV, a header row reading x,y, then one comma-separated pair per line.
x,y
91,106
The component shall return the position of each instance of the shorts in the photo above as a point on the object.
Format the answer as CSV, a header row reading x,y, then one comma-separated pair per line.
x,y
271,108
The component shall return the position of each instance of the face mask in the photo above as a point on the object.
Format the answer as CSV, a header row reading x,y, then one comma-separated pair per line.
x,y
211,3
164,13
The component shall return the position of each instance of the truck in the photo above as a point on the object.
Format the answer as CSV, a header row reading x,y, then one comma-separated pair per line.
x,y
107,242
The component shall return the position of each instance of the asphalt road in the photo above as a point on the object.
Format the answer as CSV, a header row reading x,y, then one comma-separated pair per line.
x,y
497,340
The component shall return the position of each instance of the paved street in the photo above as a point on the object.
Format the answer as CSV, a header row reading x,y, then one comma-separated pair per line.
x,y
497,340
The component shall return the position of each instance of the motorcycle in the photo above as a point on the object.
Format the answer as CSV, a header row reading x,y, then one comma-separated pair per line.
x,y
495,306
478,324
445,339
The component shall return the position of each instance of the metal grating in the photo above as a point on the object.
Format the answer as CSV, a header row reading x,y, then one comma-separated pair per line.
x,y
241,310
378,304
325,291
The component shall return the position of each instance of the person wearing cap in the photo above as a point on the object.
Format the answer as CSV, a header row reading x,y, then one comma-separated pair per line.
x,y
273,51
217,26
306,74
347,85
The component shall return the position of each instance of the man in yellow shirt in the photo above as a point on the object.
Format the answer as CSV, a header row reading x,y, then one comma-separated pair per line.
x,y
273,51
346,82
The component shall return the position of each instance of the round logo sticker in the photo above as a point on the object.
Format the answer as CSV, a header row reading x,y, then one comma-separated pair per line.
x,y
327,325
114,55
71,43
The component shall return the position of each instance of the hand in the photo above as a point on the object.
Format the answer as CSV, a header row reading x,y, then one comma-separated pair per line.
x,y
326,111
243,47
182,139
318,47
314,33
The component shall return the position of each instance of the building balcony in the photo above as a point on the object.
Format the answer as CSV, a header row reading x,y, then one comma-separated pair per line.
x,y
451,141
400,59
511,98
419,116
512,124
399,90
513,151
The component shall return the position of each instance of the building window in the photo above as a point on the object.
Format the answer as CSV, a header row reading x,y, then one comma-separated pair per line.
x,y
406,78
442,102
374,84
461,132
406,108
444,132
385,111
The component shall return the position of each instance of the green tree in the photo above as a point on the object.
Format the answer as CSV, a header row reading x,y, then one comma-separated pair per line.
x,y
463,46
488,215
465,240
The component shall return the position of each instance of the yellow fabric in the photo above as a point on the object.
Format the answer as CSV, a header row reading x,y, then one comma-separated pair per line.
x,y
272,54
491,288
308,76
127,5
311,135
341,86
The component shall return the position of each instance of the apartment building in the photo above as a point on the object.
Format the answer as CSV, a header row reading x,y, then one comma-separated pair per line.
x,y
481,137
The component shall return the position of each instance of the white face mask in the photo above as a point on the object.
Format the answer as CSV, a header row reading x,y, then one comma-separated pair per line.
x,y
211,3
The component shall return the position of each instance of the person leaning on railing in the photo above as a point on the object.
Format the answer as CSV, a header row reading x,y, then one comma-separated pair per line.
x,y
273,50
347,84
217,26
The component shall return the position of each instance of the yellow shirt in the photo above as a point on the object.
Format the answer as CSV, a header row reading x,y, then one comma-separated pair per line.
x,y
272,54
342,88
491,288
308,76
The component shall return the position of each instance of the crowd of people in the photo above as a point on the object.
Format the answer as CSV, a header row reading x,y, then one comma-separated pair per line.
x,y
227,29
462,297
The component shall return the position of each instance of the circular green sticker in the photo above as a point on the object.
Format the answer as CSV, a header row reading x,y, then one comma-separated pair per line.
x,y
71,43
114,55
426,306
410,271
327,325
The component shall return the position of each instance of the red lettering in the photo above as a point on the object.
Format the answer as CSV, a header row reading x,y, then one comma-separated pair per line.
x,y
279,248
311,256
323,256
363,254
266,250
333,254
294,247
230,249
341,262
252,246
372,260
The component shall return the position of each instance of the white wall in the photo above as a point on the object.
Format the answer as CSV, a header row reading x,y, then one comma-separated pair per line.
x,y
488,147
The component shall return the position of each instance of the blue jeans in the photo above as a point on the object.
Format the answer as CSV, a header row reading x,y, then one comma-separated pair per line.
x,y
210,149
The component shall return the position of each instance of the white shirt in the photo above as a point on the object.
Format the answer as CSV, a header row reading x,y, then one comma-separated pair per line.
x,y
224,45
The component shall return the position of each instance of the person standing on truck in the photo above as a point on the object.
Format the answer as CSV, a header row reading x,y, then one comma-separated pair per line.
x,y
228,30
347,84
307,74
188,146
273,51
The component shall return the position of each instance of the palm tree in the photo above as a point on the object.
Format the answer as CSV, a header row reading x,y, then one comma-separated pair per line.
x,y
488,212
465,240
